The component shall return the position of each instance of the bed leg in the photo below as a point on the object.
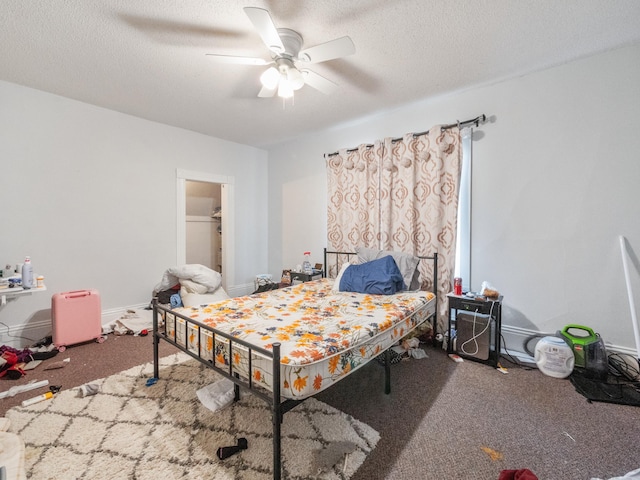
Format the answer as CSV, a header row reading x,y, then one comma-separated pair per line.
x,y
277,464
276,414
236,390
156,340
387,371
435,290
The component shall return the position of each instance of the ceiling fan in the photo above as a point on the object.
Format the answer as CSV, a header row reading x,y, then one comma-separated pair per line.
x,y
287,70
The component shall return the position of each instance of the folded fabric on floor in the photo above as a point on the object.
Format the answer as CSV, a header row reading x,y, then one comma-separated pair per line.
x,y
133,322
520,474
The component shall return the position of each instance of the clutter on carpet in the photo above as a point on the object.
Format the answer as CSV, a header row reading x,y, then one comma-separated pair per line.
x,y
325,459
132,322
520,474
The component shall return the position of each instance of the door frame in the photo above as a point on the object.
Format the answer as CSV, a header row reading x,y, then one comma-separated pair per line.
x,y
227,204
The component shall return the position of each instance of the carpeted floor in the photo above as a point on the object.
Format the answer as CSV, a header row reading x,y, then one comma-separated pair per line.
x,y
442,420
131,429
445,420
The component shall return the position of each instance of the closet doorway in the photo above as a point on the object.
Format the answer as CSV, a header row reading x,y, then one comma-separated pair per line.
x,y
205,229
204,224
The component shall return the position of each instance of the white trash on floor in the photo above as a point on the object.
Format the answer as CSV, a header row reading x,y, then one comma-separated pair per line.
x,y
216,395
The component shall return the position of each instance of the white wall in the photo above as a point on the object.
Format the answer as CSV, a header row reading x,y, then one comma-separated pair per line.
x,y
90,195
556,180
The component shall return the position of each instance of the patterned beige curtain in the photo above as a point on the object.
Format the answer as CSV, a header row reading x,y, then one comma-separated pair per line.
x,y
400,195
353,198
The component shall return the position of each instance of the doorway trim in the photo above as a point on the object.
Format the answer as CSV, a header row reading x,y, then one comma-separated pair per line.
x,y
227,205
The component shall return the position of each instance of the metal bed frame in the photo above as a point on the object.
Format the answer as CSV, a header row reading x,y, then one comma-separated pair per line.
x,y
278,406
338,263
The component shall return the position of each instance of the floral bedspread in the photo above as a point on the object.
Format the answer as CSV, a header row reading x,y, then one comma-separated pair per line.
x,y
324,335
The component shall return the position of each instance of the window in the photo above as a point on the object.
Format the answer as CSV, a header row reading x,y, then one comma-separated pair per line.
x,y
463,246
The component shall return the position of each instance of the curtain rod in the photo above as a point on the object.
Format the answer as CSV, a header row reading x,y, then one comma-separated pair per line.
x,y
474,121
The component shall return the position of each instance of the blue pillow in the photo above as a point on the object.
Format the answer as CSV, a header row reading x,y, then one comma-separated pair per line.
x,y
379,277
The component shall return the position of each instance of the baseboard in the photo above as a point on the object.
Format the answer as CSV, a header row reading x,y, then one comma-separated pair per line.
x,y
241,290
21,336
514,340
113,314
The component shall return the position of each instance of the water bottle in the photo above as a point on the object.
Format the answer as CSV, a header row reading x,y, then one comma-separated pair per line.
x,y
306,264
27,274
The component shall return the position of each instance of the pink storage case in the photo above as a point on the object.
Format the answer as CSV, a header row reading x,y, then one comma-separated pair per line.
x,y
76,318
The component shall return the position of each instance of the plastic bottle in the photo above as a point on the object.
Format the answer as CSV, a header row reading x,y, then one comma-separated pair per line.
x,y
306,264
27,273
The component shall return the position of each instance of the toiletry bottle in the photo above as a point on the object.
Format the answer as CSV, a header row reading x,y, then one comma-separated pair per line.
x,y
306,265
27,274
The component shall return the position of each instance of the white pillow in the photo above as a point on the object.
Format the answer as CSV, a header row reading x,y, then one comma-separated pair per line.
x,y
199,274
189,286
196,299
195,272
336,283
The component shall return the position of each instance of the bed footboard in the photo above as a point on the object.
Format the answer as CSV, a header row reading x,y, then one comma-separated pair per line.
x,y
178,338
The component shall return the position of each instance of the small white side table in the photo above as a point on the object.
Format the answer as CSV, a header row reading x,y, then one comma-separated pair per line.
x,y
9,293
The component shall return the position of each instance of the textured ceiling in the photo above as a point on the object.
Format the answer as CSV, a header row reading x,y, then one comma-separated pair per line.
x,y
147,57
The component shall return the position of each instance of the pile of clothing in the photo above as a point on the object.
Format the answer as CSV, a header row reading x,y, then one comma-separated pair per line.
x,y
12,360
193,278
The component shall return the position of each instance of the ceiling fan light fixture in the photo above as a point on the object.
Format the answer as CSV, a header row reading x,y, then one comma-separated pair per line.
x,y
270,78
284,89
295,78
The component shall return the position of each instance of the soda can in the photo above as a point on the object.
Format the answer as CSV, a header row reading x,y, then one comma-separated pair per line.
x,y
457,286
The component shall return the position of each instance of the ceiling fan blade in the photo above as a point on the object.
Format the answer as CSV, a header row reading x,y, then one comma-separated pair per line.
x,y
266,92
267,30
318,82
238,60
340,47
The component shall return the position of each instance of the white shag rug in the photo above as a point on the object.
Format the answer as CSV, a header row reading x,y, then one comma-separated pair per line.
x,y
132,431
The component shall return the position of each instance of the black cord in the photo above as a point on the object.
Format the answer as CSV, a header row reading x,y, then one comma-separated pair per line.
x,y
15,336
618,367
511,358
621,377
615,389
